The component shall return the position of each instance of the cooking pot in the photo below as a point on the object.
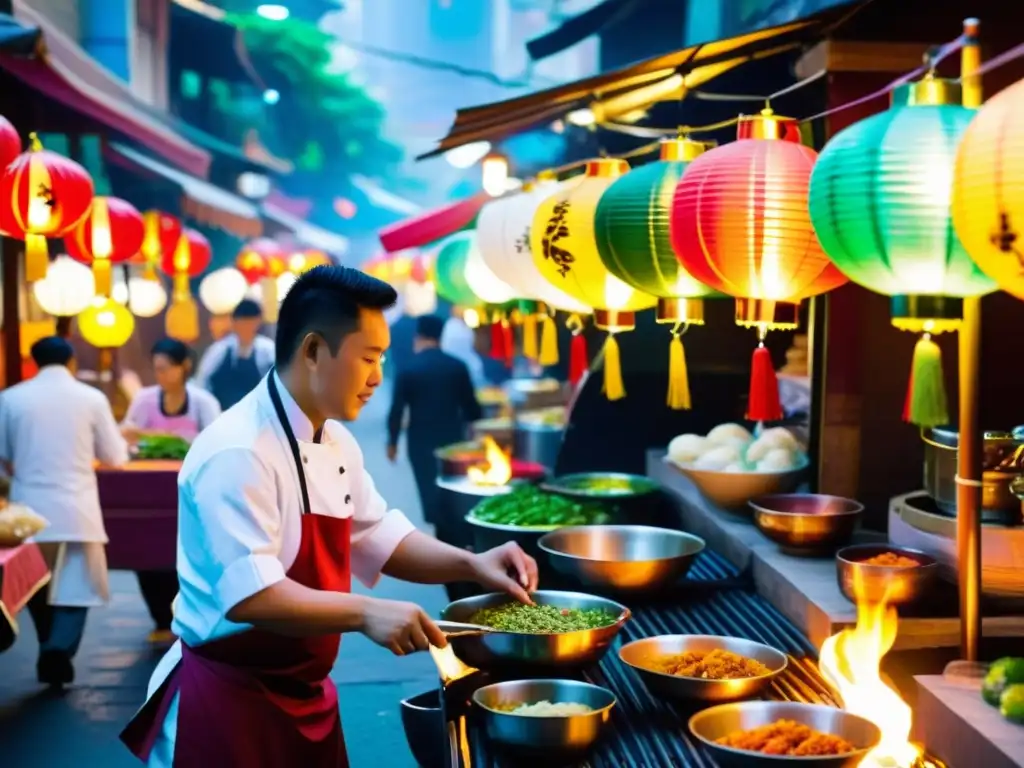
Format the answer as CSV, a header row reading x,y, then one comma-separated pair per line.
x,y
1001,463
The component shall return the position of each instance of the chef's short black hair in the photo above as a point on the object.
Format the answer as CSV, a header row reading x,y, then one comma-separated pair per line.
x,y
247,308
430,327
178,352
326,300
52,350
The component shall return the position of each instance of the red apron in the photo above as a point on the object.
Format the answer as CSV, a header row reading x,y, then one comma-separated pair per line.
x,y
258,699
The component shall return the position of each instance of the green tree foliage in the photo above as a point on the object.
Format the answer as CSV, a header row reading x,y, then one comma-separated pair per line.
x,y
324,123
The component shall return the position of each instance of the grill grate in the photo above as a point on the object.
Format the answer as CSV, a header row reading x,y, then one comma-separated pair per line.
x,y
646,732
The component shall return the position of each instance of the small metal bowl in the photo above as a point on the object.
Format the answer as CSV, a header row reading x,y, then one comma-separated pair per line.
x,y
586,485
621,557
642,655
732,490
861,582
806,522
516,650
716,722
565,738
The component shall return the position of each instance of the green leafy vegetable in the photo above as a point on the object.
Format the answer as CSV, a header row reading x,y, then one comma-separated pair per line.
x,y
542,619
529,507
162,447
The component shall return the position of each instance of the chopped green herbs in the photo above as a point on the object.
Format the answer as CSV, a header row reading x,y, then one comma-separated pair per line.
x,y
528,506
542,619
162,447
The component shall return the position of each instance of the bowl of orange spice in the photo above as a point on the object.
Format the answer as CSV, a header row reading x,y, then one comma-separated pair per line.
x,y
876,572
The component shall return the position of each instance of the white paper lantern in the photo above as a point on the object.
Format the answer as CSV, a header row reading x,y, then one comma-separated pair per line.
x,y
503,234
419,298
68,288
146,298
222,290
482,281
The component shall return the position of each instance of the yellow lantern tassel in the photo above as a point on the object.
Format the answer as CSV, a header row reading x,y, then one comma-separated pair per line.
x,y
37,258
678,376
614,389
548,341
530,337
102,273
926,404
270,302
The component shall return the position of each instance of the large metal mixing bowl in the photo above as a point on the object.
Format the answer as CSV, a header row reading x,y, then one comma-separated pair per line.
x,y
725,719
806,522
861,581
567,738
644,656
621,557
505,650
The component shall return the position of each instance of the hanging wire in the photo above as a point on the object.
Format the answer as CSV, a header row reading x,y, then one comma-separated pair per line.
x,y
707,96
998,61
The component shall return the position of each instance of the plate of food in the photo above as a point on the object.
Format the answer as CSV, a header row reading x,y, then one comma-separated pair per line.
x,y
703,667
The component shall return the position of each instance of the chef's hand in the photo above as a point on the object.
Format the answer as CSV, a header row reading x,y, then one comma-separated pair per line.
x,y
400,627
492,569
392,452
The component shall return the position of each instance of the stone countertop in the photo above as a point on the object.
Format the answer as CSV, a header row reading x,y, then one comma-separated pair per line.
x,y
803,588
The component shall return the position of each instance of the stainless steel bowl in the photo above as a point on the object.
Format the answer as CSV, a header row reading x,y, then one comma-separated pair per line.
x,y
807,522
566,738
423,722
505,650
716,722
859,581
643,655
612,486
621,557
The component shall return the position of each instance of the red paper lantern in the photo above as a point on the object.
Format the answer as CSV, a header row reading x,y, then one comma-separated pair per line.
x,y
740,224
189,257
261,258
163,232
42,194
112,232
10,143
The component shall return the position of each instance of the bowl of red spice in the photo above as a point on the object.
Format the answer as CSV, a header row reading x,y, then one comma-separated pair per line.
x,y
874,573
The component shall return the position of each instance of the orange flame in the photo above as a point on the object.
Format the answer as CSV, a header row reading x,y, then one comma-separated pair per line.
x,y
448,665
497,466
850,660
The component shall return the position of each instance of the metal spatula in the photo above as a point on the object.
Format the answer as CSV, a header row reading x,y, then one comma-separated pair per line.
x,y
461,629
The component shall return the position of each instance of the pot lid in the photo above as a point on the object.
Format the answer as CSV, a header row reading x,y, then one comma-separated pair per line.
x,y
949,437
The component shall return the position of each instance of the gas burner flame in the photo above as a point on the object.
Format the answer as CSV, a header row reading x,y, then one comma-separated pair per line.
x,y
448,665
850,661
496,468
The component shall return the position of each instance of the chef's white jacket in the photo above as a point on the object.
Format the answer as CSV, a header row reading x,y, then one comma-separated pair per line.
x,y
240,515
52,429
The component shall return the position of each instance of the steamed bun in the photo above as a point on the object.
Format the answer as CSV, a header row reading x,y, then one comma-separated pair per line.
x,y
717,459
735,467
729,434
777,460
780,437
685,448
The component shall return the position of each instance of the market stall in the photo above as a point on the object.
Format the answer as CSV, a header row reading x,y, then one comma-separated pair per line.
x,y
23,572
140,512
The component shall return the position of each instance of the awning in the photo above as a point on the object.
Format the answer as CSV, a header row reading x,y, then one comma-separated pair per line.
x,y
432,225
695,65
308,234
65,73
203,201
381,198
19,39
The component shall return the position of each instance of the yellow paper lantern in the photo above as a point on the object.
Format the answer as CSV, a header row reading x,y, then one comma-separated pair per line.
x,y
988,189
564,246
106,324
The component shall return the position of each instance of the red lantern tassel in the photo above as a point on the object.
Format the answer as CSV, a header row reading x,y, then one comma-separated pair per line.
x,y
926,404
509,341
579,360
763,403
497,341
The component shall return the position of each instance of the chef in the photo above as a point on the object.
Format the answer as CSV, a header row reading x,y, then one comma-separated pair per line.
x,y
276,513
53,429
233,366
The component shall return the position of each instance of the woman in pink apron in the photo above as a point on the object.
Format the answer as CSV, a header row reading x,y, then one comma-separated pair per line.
x,y
172,407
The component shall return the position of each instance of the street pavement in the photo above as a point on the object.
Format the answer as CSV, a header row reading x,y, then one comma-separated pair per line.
x,y
79,728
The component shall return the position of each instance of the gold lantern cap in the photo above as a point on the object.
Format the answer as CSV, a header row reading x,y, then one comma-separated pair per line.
x,y
682,149
614,321
926,314
680,310
768,314
606,167
929,91
768,125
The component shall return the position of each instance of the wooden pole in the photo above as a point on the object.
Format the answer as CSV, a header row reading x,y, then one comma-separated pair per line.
x,y
968,469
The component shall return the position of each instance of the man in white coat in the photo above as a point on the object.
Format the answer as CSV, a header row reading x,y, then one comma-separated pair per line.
x,y
276,513
53,429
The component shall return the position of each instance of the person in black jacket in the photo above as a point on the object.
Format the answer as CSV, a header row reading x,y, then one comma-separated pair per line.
x,y
436,389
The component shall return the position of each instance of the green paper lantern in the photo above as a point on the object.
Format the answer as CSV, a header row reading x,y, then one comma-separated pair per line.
x,y
632,228
450,270
880,204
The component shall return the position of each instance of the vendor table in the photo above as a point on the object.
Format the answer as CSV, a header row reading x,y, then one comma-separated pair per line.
x,y
23,572
140,512
646,732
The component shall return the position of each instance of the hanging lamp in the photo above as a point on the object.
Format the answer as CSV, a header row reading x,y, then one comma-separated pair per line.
x,y
880,203
112,232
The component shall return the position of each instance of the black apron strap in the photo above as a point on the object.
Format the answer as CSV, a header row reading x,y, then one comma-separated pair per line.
x,y
282,417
